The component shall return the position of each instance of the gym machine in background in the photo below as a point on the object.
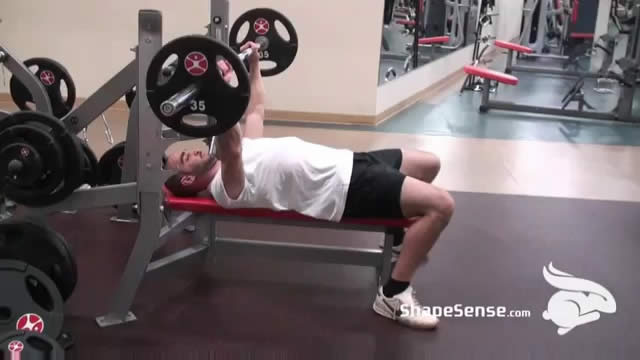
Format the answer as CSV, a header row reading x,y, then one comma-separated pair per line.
x,y
558,29
482,44
398,37
630,66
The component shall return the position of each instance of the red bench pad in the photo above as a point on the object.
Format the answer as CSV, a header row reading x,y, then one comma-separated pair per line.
x,y
514,47
491,75
210,206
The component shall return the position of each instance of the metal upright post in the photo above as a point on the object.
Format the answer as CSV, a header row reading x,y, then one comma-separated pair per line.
x,y
219,25
417,31
150,177
627,94
218,30
130,164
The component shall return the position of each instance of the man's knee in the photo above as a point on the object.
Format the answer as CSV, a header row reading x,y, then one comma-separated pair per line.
x,y
442,207
438,203
445,206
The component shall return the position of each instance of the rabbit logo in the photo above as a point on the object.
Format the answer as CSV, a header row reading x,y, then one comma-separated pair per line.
x,y
578,302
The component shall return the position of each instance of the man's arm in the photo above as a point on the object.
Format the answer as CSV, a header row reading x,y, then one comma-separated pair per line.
x,y
254,116
229,152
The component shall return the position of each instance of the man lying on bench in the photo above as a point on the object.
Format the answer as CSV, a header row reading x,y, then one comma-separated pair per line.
x,y
250,171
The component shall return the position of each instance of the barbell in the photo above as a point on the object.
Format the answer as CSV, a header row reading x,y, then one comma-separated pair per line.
x,y
196,86
184,97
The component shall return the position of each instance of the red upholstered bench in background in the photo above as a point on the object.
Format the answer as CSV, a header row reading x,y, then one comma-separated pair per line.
x,y
207,209
406,22
513,48
433,40
490,75
585,36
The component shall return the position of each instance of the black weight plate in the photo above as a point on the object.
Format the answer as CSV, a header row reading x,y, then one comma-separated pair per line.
x,y
91,170
130,96
39,246
28,345
73,158
30,300
197,64
262,23
24,165
111,164
51,74
39,142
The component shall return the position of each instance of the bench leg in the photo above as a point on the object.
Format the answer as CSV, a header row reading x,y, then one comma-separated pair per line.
x,y
206,233
387,252
509,62
486,91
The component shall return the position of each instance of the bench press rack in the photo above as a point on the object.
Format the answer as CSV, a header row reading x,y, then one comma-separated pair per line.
x,y
144,177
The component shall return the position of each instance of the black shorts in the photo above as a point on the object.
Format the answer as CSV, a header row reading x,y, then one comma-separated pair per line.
x,y
376,184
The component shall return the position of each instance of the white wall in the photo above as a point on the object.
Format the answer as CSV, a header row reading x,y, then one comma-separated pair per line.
x,y
335,70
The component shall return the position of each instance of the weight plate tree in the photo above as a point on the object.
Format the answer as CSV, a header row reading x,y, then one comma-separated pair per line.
x,y
30,300
52,75
262,25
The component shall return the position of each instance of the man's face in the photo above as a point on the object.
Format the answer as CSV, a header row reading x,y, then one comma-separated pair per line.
x,y
193,162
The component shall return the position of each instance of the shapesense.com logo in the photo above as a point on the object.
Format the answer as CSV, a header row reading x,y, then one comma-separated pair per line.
x,y
462,311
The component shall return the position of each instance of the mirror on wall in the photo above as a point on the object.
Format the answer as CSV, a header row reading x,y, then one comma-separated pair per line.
x,y
398,34
417,32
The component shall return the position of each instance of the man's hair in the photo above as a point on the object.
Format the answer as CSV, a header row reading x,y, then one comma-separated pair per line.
x,y
180,186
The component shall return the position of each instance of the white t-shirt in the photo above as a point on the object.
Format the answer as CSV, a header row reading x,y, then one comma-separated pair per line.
x,y
291,174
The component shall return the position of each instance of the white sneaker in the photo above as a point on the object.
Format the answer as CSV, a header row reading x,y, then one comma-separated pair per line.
x,y
392,308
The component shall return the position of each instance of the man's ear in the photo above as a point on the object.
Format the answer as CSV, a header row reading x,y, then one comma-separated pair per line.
x,y
187,185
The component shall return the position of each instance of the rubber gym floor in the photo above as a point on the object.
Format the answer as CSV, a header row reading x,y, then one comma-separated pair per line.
x,y
530,191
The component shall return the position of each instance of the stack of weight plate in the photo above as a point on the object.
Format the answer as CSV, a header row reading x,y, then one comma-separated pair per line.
x,y
38,274
41,163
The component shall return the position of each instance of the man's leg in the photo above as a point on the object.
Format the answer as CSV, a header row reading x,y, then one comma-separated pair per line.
x,y
434,208
420,165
